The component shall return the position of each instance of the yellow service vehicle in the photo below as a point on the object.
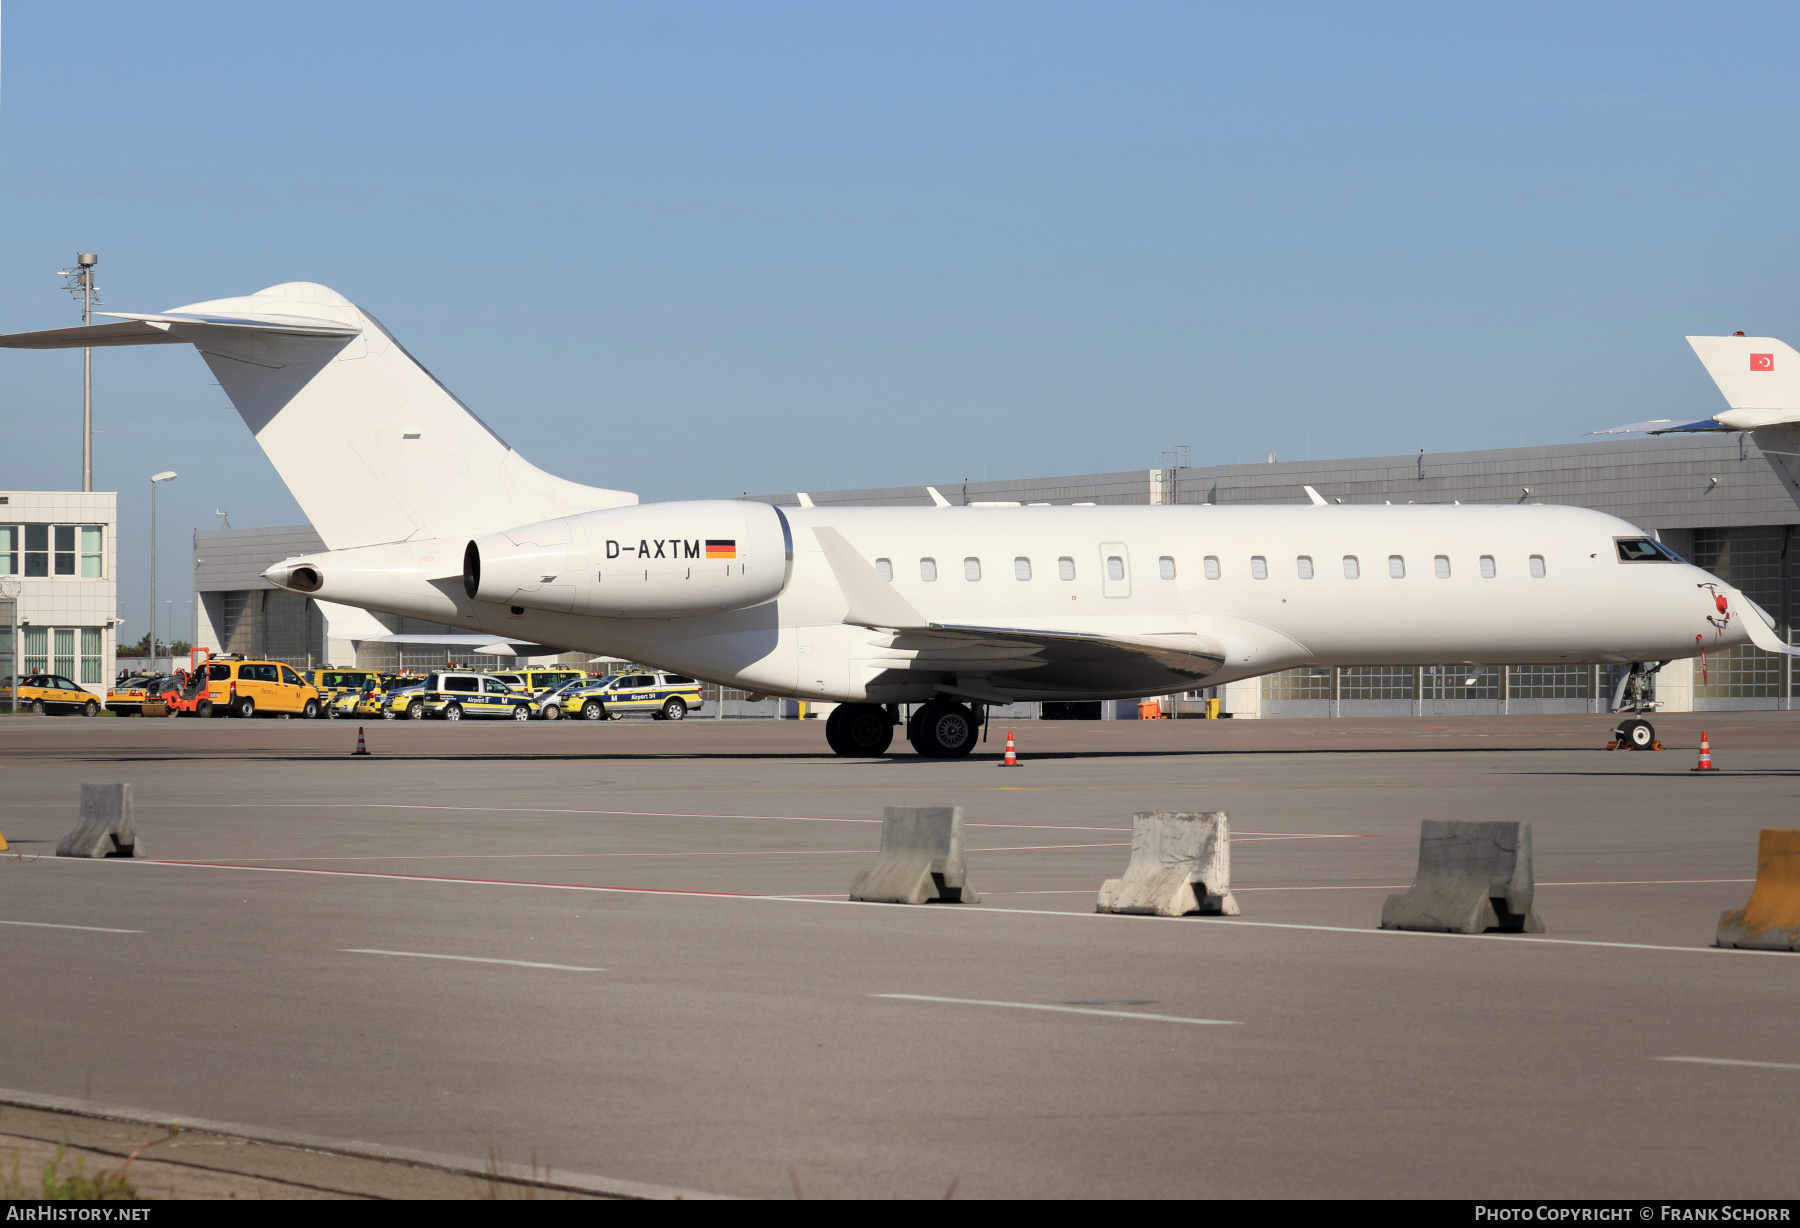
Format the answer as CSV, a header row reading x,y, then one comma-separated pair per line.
x,y
43,694
455,695
537,681
666,697
333,682
236,687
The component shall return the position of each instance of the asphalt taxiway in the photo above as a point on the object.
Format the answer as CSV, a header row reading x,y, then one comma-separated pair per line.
x,y
624,950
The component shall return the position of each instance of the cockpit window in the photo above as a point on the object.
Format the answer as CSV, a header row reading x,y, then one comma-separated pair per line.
x,y
1643,550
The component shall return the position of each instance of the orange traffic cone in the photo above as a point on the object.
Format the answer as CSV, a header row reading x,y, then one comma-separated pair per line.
x,y
361,747
1706,763
1012,759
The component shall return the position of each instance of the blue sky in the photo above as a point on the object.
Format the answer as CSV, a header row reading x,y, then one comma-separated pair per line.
x,y
695,249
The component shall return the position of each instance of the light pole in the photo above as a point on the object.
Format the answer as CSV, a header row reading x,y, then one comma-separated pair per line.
x,y
9,592
80,283
167,475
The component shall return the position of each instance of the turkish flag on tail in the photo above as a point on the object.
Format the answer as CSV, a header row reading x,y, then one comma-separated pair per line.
x,y
1762,362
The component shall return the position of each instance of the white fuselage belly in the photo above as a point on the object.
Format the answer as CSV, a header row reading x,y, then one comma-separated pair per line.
x,y
1586,607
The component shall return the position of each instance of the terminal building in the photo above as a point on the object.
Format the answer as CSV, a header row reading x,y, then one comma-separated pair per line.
x,y
1713,498
58,547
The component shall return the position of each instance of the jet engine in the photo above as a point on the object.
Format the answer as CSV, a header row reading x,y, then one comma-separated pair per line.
x,y
652,560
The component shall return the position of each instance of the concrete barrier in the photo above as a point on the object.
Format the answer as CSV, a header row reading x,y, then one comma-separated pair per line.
x,y
1180,864
921,859
1771,920
1473,878
106,828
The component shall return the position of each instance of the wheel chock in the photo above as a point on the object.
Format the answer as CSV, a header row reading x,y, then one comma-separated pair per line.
x,y
1180,864
106,828
1771,920
921,859
1473,878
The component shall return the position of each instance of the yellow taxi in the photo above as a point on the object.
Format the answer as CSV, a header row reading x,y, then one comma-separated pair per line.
x,y
237,687
127,696
44,694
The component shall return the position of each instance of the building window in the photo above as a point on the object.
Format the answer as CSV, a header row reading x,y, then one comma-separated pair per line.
x,y
63,639
1259,567
90,655
6,655
1537,567
1115,567
1303,565
37,550
885,569
37,650
1210,565
928,570
1021,568
9,550
1396,567
1165,567
1441,565
971,569
1351,570
1487,567
65,555
1065,568
90,554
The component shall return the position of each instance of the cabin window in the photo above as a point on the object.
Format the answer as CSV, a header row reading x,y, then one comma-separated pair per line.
x,y
1396,567
1065,568
1303,566
1537,567
1487,567
971,569
1115,567
928,570
1441,566
1165,567
885,569
1021,568
1351,570
1259,567
1211,566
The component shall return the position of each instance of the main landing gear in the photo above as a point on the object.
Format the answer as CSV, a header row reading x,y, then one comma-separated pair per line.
x,y
941,729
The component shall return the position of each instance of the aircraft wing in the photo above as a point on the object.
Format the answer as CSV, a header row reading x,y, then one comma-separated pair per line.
x,y
1037,659
1665,426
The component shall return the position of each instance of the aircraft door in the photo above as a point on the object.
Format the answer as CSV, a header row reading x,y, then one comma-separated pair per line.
x,y
1115,570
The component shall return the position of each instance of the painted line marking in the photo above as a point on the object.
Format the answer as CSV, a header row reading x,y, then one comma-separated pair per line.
x,y
468,959
1222,924
1621,882
683,814
1065,1010
1729,1061
862,852
92,929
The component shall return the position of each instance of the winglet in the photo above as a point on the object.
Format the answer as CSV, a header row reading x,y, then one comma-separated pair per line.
x,y
937,500
1318,500
1756,623
873,601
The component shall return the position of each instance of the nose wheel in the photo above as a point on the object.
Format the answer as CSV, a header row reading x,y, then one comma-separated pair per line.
x,y
1635,734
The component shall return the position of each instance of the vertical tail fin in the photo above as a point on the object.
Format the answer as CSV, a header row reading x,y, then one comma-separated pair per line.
x,y
372,446
1758,376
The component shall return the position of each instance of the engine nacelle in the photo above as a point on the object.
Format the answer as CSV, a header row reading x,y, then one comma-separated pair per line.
x,y
652,560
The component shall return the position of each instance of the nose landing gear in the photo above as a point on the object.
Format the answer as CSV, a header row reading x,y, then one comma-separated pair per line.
x,y
1633,695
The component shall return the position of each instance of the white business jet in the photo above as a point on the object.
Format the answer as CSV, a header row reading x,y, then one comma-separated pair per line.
x,y
428,513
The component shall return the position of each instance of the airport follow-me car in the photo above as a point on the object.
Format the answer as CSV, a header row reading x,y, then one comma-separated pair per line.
x,y
949,608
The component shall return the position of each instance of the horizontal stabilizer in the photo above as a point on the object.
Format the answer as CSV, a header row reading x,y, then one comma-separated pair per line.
x,y
136,332
274,322
1758,376
1664,426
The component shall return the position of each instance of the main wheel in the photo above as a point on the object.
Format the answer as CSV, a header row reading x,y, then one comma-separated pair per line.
x,y
521,712
246,708
90,708
593,710
943,729
1635,734
453,712
415,711
311,710
859,730
674,710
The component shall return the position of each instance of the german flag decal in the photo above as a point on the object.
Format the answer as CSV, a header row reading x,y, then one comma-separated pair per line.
x,y
716,549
